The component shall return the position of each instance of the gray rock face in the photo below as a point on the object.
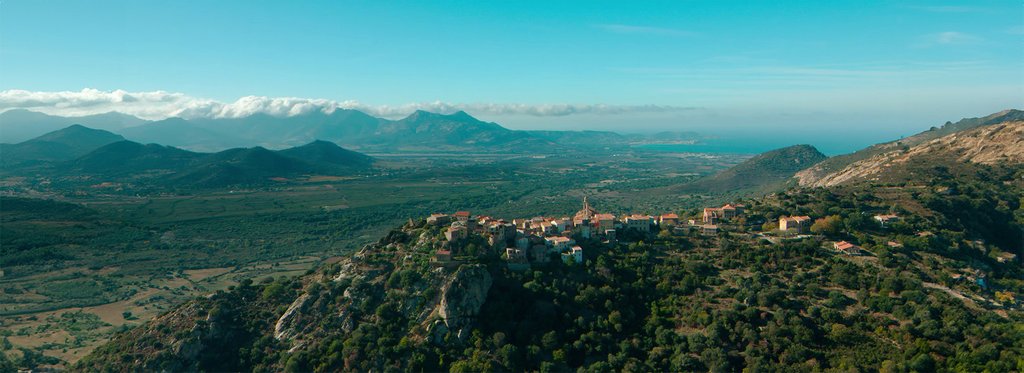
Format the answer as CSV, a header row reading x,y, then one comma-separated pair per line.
x,y
463,295
287,325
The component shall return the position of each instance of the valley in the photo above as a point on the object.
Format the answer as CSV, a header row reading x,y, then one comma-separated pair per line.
x,y
106,238
110,246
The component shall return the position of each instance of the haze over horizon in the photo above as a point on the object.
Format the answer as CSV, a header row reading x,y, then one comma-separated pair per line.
x,y
866,72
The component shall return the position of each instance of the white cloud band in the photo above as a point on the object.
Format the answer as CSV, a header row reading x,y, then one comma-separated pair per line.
x,y
161,104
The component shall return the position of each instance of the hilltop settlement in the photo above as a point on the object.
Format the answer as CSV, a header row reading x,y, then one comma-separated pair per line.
x,y
540,239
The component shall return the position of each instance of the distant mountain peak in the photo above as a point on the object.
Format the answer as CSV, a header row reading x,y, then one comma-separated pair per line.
x,y
77,133
426,115
326,152
461,114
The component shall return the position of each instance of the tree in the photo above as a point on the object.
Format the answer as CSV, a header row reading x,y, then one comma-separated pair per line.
x,y
829,225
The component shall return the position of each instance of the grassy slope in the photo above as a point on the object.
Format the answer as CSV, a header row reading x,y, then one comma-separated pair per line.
x,y
768,171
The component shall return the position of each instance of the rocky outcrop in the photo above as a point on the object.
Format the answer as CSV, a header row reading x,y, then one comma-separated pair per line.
x,y
462,297
287,325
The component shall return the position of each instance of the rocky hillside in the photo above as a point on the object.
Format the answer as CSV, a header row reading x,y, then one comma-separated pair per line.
x,y
382,283
1001,143
813,175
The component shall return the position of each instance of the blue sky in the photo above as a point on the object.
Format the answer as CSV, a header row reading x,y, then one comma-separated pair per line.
x,y
885,68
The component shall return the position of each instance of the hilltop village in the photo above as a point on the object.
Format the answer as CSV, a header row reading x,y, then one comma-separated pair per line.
x,y
540,239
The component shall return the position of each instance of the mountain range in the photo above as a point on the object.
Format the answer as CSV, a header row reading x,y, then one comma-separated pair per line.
x,y
421,131
78,150
19,125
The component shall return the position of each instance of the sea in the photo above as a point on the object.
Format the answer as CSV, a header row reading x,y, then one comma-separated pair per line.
x,y
829,144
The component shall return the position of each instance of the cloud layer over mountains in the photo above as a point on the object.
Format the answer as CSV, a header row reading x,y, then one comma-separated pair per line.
x,y
162,104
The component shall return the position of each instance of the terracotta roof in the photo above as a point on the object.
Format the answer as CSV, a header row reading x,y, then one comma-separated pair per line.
x,y
462,213
843,245
670,216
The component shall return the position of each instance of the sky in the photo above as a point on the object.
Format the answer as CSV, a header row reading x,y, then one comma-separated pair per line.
x,y
869,70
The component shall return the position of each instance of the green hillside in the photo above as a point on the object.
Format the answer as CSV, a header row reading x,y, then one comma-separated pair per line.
x,y
64,144
764,172
328,154
128,158
157,167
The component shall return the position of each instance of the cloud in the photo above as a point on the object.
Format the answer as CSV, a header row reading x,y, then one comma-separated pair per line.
x,y
948,39
953,37
162,104
632,29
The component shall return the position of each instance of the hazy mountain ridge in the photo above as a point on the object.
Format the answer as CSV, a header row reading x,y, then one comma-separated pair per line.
x,y
425,131
813,175
418,132
103,155
64,144
19,125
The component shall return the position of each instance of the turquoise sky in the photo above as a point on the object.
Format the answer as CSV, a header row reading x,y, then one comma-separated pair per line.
x,y
887,67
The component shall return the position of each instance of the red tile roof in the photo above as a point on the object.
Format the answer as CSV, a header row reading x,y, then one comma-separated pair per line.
x,y
843,245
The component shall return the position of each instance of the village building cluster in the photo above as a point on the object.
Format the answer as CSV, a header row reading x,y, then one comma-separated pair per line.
x,y
523,241
535,240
